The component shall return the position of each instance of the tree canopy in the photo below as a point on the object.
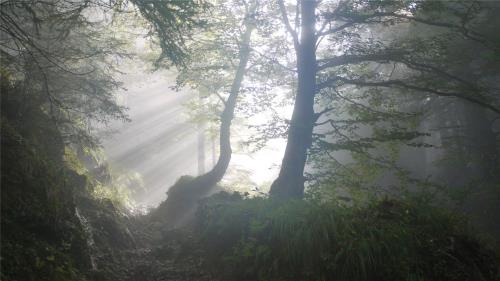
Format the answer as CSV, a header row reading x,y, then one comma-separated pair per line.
x,y
387,113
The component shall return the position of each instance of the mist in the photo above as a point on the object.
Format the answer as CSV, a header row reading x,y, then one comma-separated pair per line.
x,y
346,140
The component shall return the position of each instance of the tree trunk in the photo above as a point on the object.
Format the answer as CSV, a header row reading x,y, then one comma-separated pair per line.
x,y
218,171
184,195
290,182
214,153
201,143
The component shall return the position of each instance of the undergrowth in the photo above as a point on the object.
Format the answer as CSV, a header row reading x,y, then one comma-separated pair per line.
x,y
261,239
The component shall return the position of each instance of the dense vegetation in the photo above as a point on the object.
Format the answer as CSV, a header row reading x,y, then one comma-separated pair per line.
x,y
261,239
391,164
40,234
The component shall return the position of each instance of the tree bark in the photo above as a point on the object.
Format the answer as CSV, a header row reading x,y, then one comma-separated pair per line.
x,y
290,182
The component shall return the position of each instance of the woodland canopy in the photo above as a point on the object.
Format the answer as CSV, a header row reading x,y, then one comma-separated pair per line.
x,y
386,114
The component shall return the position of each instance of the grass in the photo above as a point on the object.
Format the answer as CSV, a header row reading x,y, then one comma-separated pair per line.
x,y
260,239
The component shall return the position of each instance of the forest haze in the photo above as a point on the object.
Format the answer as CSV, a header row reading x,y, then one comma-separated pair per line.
x,y
343,140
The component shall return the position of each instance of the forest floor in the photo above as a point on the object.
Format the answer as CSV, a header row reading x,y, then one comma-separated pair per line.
x,y
168,262
134,248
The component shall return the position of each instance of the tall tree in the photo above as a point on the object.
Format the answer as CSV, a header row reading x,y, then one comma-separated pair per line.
x,y
182,197
346,26
290,182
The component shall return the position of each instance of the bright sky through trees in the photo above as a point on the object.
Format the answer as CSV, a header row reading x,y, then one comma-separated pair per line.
x,y
159,144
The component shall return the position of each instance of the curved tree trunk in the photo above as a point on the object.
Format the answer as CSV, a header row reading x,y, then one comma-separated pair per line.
x,y
183,196
290,182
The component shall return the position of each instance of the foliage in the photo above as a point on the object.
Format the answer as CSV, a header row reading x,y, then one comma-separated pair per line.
x,y
172,22
43,181
67,54
41,237
377,64
261,239
214,56
376,140
101,182
64,57
34,259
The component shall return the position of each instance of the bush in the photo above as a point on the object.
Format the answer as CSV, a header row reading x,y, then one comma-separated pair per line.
x,y
260,239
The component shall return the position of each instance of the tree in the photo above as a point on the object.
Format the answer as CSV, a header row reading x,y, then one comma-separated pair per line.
x,y
200,73
347,25
392,143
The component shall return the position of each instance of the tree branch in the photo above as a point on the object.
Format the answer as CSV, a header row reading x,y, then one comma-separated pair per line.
x,y
401,84
353,59
352,20
287,24
318,114
274,60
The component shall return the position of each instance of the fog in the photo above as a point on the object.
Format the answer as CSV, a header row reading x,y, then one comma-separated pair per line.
x,y
160,143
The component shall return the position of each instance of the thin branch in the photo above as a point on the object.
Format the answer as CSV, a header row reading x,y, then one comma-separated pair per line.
x,y
224,102
421,66
274,61
318,114
337,29
289,28
364,19
353,59
402,84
